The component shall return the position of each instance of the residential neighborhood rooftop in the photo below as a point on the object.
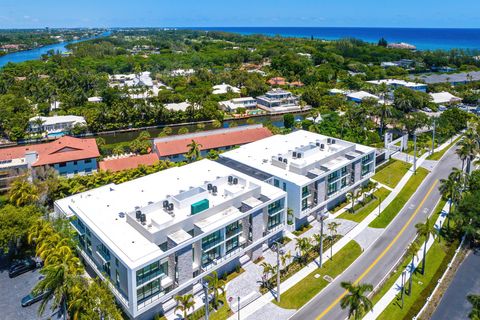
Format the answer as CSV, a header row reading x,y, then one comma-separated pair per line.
x,y
128,162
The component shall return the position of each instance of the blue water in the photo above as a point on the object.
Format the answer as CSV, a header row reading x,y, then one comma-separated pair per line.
x,y
37,53
422,38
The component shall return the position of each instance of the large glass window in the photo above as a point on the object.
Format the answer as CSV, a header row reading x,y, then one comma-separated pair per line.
x,y
274,221
276,183
365,169
274,207
211,240
332,188
333,176
367,158
305,192
231,244
148,290
89,246
344,171
343,183
233,229
210,255
151,271
304,204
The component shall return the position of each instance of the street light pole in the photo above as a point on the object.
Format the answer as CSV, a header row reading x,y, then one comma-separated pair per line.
x,y
415,153
321,242
278,272
403,287
238,307
207,305
433,136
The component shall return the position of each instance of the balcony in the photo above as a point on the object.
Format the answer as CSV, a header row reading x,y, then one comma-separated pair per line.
x,y
104,254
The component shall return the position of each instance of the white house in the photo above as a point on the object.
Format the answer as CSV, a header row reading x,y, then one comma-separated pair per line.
x,y
444,98
316,171
55,124
225,88
393,83
182,72
233,104
156,237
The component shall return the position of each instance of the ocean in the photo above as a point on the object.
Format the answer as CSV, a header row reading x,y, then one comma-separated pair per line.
x,y
422,38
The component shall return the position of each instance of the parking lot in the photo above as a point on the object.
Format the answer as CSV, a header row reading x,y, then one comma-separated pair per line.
x,y
11,293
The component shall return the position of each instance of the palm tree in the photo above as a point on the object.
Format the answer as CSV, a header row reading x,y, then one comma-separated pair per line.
x,y
22,192
268,269
462,153
352,195
425,230
332,227
215,285
284,258
412,251
184,303
356,301
469,146
194,152
303,245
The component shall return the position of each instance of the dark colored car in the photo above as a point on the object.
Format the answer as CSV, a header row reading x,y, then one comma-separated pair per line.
x,y
32,298
22,266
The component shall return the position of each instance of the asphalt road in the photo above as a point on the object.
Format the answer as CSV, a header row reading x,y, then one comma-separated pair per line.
x,y
454,304
376,262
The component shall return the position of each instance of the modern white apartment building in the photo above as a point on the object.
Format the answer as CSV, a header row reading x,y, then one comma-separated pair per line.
x,y
278,100
394,83
233,104
155,237
316,171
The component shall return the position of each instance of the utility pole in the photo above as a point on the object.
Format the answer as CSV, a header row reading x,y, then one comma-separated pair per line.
x,y
403,287
379,205
278,271
207,305
433,135
321,241
414,153
238,307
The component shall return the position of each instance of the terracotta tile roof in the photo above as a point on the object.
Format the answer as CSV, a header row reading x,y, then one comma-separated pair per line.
x,y
277,81
61,150
120,164
224,139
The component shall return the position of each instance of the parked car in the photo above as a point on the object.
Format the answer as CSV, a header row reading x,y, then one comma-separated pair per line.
x,y
32,298
21,267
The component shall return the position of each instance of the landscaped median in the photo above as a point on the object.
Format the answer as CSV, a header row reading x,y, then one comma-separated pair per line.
x,y
402,198
311,285
362,211
392,172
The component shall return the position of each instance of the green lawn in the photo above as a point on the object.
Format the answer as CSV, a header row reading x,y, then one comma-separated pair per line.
x,y
363,212
392,173
397,204
308,287
438,155
438,258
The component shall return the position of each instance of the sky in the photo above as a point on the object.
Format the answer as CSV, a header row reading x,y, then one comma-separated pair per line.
x,y
253,13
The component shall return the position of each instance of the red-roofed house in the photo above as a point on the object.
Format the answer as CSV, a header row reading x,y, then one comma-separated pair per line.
x,y
174,148
124,163
277,81
67,155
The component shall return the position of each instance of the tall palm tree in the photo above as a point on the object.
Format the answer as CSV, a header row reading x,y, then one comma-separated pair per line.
x,y
184,303
469,146
412,251
462,153
268,270
356,301
194,152
450,189
215,285
284,258
333,228
425,230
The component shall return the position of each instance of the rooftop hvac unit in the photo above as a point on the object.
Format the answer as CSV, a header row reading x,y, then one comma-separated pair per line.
x,y
165,204
299,155
317,144
121,214
294,154
209,187
170,207
143,218
230,179
150,202
285,160
333,141
280,159
138,214
235,180
322,146
329,141
214,189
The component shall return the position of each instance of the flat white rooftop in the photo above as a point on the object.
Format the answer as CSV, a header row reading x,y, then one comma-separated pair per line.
x,y
109,211
397,82
264,155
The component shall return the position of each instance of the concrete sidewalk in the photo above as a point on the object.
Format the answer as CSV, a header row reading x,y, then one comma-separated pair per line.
x,y
264,300
396,288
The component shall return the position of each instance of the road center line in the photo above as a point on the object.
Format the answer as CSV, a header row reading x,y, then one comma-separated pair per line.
x,y
384,252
